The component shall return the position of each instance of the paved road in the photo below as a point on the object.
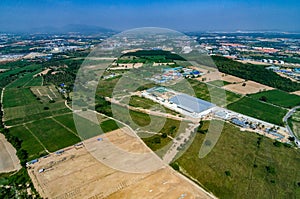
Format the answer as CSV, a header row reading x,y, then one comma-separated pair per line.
x,y
286,117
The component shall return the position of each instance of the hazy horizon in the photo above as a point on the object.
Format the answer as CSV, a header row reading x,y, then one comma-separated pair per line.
x,y
214,15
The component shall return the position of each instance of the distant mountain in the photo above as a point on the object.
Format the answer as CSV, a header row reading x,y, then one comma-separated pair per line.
x,y
84,28
78,28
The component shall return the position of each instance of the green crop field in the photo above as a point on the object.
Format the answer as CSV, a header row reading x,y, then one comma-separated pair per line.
x,y
109,125
14,70
243,165
18,97
210,93
33,109
37,81
38,116
26,80
22,105
259,110
52,134
278,97
66,120
29,142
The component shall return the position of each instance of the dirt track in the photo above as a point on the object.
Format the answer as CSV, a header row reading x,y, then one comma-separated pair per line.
x,y
77,174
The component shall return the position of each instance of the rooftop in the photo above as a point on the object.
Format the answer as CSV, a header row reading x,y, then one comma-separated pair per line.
x,y
190,103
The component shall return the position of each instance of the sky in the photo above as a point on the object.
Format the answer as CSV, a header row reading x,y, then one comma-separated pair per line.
x,y
193,15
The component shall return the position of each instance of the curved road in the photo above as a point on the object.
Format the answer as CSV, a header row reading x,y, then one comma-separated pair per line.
x,y
286,117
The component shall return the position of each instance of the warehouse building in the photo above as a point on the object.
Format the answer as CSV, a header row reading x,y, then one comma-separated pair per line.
x,y
192,105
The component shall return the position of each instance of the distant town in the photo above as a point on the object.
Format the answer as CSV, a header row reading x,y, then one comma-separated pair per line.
x,y
150,100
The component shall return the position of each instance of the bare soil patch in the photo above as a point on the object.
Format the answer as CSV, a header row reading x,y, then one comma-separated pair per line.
x,y
77,174
249,87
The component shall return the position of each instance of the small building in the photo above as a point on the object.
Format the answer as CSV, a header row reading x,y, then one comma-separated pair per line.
x,y
296,70
238,122
32,162
59,152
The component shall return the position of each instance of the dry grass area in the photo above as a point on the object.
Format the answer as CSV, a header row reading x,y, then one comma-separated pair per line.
x,y
126,66
249,88
231,79
76,173
253,62
216,75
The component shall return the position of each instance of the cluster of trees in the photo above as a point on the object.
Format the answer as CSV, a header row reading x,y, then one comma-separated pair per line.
x,y
14,190
65,75
153,53
103,106
255,73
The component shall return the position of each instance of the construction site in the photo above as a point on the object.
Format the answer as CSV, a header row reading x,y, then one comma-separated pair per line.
x,y
75,172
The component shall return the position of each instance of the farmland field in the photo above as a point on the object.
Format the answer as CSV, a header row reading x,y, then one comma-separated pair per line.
x,y
67,120
52,134
29,142
29,104
37,81
108,125
33,109
26,80
279,98
259,110
208,92
18,97
243,165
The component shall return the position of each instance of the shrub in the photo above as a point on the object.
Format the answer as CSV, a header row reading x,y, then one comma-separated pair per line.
x,y
175,166
164,135
270,170
157,140
277,144
227,173
46,108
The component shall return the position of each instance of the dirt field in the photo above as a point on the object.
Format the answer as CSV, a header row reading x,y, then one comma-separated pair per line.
x,y
211,76
77,174
296,93
44,72
251,87
8,158
231,79
219,76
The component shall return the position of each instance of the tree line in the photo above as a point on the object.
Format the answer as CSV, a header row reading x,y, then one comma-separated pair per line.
x,y
255,73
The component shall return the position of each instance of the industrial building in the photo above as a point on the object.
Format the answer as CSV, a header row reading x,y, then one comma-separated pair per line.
x,y
190,103
180,102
